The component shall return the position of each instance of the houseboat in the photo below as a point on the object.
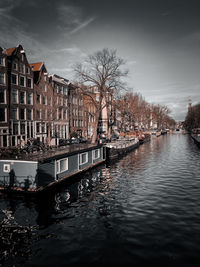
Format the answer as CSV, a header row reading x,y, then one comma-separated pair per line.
x,y
115,150
39,171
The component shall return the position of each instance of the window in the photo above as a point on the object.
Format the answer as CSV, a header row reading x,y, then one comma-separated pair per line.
x,y
27,70
15,128
2,79
2,114
2,61
22,114
83,158
22,97
38,98
44,100
64,90
22,81
38,114
21,68
96,153
29,98
64,115
61,165
44,87
38,127
2,95
29,82
64,102
14,96
60,114
29,114
22,128
14,114
13,78
60,90
43,128
15,66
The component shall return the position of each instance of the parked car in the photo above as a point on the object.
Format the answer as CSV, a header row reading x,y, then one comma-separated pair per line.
x,y
64,142
82,140
74,140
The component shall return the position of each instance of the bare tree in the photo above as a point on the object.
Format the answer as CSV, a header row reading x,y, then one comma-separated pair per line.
x,y
101,70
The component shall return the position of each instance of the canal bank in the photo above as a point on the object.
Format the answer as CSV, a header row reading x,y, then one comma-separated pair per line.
x,y
142,209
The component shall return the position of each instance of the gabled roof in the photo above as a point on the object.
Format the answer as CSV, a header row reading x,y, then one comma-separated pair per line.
x,y
59,79
36,66
10,51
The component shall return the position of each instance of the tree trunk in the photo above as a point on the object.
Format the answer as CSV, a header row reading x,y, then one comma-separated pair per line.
x,y
94,135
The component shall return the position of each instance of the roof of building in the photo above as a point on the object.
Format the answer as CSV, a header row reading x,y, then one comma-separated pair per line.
x,y
59,79
10,51
36,66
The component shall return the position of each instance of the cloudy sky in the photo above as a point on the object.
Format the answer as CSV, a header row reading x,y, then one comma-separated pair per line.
x,y
159,39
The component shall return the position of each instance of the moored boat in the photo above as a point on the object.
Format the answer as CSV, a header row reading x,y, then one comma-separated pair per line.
x,y
117,149
40,171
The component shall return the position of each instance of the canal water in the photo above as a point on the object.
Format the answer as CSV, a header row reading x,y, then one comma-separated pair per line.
x,y
142,209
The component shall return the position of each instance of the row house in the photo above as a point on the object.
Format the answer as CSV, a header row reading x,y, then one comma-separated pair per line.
x,y
4,103
77,116
60,108
18,97
42,101
50,105
33,104
90,100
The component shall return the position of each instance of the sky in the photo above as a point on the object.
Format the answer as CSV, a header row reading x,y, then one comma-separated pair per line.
x,y
158,39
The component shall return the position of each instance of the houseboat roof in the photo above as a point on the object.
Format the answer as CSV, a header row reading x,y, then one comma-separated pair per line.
x,y
54,153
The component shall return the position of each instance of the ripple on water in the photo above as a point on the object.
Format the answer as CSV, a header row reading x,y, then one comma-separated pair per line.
x,y
144,208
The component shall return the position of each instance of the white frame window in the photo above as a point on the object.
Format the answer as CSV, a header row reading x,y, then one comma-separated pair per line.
x,y
61,165
22,81
31,82
29,98
83,158
21,68
22,97
14,113
16,76
29,114
22,114
15,96
96,154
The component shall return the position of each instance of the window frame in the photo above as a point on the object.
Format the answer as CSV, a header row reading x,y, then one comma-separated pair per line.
x,y
93,154
81,162
5,115
3,74
14,74
58,164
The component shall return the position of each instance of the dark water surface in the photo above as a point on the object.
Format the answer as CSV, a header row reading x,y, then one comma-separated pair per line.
x,y
142,209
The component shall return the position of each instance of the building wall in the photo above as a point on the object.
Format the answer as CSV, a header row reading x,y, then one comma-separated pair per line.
x,y
77,118
4,100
